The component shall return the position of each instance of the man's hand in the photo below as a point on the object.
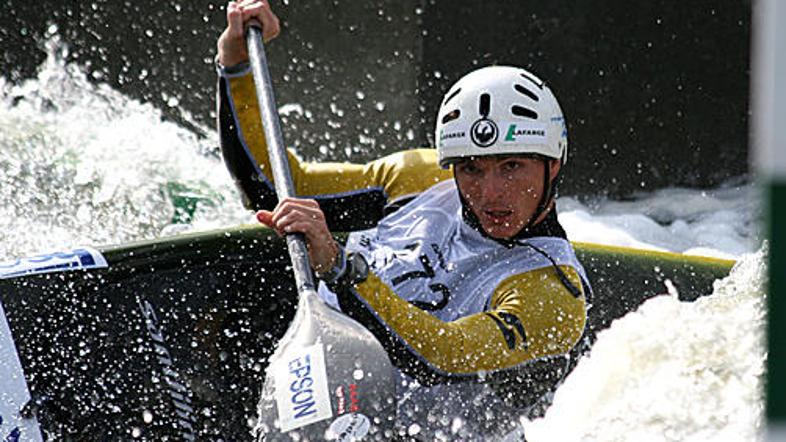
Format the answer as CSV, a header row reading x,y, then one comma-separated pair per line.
x,y
294,215
232,43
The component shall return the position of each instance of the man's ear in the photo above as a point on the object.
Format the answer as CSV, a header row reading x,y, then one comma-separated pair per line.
x,y
554,168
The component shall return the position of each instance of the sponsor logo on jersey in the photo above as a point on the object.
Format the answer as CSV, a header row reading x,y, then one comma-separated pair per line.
x,y
79,258
484,132
301,388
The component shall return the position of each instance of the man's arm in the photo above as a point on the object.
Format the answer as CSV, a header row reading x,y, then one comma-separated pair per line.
x,y
532,315
353,196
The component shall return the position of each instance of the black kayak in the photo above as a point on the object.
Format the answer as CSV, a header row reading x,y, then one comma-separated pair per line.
x,y
168,339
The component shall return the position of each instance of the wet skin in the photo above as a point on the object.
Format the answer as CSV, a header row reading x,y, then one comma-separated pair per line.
x,y
503,192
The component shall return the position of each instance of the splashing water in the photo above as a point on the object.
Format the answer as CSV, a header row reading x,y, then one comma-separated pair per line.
x,y
672,371
83,164
720,222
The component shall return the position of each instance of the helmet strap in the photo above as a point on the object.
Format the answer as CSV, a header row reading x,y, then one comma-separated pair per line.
x,y
545,198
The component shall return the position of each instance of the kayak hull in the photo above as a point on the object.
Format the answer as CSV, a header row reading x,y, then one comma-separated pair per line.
x,y
171,338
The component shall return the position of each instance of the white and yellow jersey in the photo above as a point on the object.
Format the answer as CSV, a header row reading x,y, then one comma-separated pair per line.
x,y
462,302
453,306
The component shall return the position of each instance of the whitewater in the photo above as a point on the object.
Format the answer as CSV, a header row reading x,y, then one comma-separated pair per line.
x,y
82,164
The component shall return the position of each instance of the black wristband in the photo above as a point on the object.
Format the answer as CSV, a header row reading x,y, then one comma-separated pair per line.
x,y
356,272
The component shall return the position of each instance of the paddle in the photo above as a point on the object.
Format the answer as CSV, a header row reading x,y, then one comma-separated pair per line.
x,y
329,377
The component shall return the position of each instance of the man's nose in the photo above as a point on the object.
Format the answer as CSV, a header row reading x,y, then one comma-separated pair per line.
x,y
495,186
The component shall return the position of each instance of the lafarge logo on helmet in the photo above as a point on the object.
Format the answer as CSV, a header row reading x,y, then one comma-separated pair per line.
x,y
526,133
484,132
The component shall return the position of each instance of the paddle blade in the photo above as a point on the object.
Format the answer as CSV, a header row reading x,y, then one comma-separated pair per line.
x,y
330,379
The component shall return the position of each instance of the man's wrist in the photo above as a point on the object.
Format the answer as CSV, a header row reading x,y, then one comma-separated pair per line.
x,y
338,269
234,70
356,271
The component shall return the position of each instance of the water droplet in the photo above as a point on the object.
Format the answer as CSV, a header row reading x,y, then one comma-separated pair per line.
x,y
456,425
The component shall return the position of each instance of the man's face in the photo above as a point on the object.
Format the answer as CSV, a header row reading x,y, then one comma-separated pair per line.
x,y
502,191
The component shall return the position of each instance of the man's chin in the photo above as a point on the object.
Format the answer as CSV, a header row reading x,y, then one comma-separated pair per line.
x,y
500,232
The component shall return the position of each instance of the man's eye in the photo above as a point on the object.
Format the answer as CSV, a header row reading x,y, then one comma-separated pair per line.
x,y
468,169
511,165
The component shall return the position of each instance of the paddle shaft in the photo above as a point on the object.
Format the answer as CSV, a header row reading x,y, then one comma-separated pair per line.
x,y
328,345
282,176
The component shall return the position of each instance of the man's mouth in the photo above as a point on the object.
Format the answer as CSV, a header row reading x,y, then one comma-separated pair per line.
x,y
498,216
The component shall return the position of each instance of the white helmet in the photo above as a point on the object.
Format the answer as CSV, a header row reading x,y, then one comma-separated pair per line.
x,y
500,110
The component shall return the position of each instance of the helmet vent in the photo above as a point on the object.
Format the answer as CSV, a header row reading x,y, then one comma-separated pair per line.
x,y
451,96
522,90
451,116
485,105
524,112
533,79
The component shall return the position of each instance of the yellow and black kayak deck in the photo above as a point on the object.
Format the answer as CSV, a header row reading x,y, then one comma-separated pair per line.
x,y
170,340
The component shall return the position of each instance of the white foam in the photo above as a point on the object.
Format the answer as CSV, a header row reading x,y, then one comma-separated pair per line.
x,y
720,222
671,371
83,164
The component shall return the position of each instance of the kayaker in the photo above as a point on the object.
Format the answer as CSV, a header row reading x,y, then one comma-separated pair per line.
x,y
457,261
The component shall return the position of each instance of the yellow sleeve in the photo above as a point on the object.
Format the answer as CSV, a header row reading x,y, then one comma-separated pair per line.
x,y
400,174
532,315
